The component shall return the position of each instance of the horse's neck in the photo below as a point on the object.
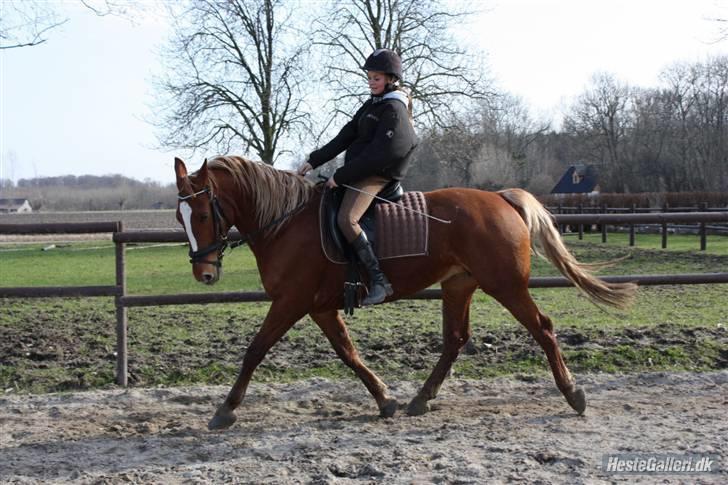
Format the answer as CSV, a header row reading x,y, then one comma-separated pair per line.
x,y
238,208
286,226
243,208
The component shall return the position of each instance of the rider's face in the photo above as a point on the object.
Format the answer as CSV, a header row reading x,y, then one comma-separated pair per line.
x,y
377,82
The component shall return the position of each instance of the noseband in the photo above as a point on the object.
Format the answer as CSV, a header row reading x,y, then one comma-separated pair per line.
x,y
221,241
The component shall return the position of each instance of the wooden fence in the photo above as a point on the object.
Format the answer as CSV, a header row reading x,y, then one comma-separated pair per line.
x,y
701,228
123,301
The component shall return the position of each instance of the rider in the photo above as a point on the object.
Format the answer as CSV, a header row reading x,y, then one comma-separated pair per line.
x,y
378,141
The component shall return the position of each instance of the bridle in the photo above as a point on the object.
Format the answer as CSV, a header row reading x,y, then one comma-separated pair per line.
x,y
221,242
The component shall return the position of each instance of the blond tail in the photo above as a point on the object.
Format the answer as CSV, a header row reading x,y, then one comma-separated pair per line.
x,y
547,243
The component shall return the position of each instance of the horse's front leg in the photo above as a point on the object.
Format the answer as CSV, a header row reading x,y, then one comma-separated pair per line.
x,y
335,330
281,316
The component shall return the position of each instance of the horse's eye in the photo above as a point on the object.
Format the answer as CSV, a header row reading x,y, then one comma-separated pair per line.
x,y
204,217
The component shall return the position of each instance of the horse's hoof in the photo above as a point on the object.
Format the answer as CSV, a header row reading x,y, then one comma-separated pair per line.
x,y
388,409
577,400
222,420
418,407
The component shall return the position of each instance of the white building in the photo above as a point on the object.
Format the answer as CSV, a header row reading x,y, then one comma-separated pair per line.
x,y
15,205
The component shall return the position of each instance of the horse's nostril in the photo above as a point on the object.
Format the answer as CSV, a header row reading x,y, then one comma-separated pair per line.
x,y
207,277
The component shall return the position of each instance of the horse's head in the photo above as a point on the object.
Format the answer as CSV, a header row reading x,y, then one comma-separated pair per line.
x,y
199,213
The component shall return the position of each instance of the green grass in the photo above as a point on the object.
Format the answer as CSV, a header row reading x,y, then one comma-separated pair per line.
x,y
150,269
59,344
675,242
164,269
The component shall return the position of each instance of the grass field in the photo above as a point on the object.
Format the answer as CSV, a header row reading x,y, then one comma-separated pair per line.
x,y
164,269
58,344
151,269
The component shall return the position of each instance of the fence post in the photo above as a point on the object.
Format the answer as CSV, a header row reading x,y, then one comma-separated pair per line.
x,y
581,226
703,207
121,313
604,226
631,226
559,210
664,228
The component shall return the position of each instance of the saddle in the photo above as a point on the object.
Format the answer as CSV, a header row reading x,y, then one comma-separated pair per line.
x,y
392,229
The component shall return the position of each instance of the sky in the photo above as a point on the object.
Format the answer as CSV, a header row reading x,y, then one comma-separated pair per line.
x,y
81,102
546,51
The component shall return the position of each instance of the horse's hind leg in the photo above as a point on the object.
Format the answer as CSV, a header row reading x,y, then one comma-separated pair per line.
x,y
335,330
457,293
522,306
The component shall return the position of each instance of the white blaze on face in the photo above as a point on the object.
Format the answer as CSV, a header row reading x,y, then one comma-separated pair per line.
x,y
186,211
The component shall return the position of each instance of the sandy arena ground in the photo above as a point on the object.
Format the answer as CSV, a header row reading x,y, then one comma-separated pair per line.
x,y
320,431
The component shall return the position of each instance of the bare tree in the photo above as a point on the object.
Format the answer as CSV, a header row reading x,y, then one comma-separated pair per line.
x,y
129,10
600,117
648,142
26,23
711,115
672,138
491,146
680,79
456,148
440,74
104,8
679,134
510,131
234,78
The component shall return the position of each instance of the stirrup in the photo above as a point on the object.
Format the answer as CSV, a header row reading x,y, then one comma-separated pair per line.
x,y
386,290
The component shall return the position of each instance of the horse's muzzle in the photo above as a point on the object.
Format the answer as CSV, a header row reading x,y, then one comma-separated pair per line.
x,y
209,278
207,273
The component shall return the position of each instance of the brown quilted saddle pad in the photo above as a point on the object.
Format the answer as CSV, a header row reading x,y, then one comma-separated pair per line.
x,y
398,232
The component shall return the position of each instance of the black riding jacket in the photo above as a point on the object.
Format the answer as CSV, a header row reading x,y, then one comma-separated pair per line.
x,y
378,140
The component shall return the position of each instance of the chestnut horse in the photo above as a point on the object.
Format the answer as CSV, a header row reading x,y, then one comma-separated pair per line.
x,y
486,246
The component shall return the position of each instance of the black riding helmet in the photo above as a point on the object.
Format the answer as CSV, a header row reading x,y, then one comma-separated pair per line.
x,y
386,61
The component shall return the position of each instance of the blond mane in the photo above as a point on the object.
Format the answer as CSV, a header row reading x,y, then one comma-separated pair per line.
x,y
275,192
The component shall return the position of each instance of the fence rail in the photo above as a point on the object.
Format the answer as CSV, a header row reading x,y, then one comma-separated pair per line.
x,y
58,291
631,219
593,209
651,218
123,301
61,228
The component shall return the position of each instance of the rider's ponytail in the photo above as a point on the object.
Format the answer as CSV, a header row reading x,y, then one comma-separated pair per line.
x,y
408,92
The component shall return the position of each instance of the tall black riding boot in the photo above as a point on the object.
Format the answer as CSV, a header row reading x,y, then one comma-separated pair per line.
x,y
379,287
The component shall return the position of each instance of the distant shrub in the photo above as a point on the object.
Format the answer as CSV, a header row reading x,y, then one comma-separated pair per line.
x,y
124,197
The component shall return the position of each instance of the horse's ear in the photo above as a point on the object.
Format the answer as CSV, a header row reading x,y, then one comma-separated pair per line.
x,y
201,177
179,168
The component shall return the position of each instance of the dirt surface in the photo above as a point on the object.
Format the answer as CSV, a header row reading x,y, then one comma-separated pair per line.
x,y
70,347
321,431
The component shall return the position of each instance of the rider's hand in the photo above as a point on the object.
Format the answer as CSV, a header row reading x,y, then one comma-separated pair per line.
x,y
331,183
305,168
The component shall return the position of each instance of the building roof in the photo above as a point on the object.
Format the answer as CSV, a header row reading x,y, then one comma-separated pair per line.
x,y
12,203
578,179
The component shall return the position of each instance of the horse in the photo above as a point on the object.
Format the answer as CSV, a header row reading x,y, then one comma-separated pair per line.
x,y
487,245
